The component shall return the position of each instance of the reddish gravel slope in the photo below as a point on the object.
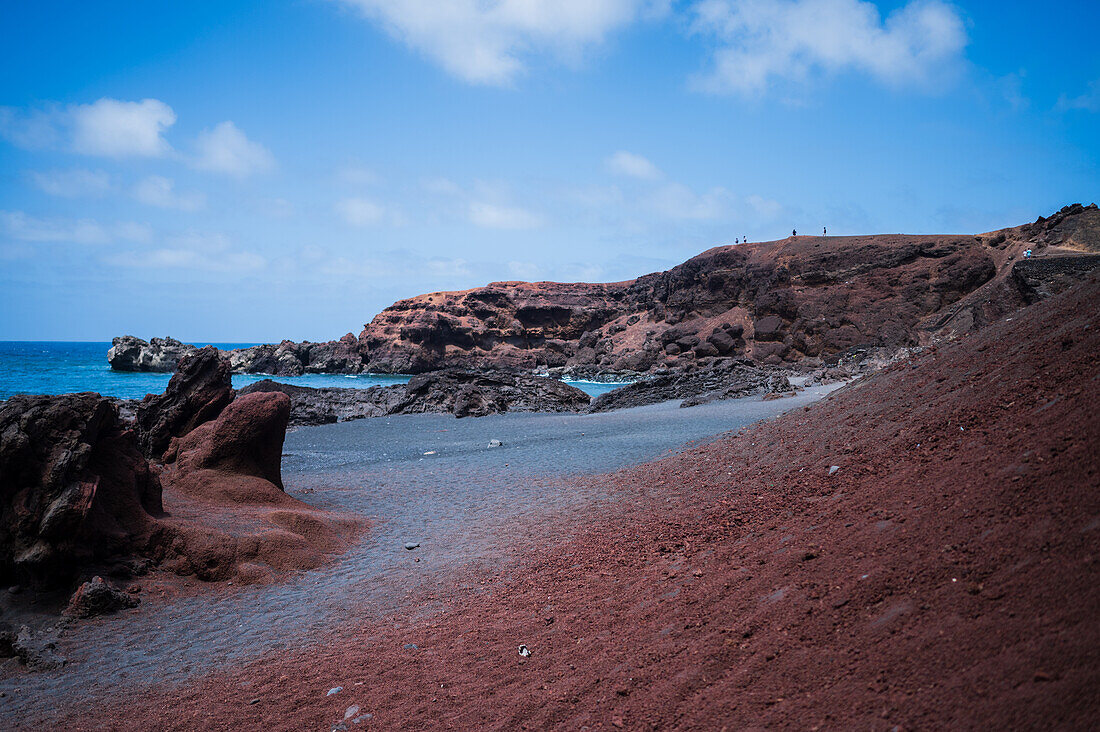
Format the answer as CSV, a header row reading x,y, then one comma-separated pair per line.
x,y
947,576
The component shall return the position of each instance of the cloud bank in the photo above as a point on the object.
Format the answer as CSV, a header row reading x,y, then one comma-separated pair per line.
x,y
490,41
761,41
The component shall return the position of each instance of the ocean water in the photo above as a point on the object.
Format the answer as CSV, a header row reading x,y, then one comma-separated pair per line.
x,y
55,367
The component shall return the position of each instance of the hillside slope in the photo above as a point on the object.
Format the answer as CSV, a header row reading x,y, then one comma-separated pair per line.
x,y
946,576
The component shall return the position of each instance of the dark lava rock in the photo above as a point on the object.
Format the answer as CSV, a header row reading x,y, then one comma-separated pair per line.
x,y
452,391
287,358
38,650
246,439
721,379
309,406
96,597
128,353
197,393
293,359
74,488
471,393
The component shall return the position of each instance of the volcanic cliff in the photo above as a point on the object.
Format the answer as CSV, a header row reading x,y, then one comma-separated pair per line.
x,y
774,302
801,299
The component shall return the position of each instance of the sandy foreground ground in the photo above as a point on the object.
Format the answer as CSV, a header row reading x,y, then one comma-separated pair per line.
x,y
918,551
425,479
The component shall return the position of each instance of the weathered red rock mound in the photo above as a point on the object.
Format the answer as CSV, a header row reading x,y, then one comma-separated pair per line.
x,y
228,514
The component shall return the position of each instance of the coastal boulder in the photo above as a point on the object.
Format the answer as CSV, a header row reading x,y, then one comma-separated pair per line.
x,y
197,393
246,439
74,488
128,353
96,597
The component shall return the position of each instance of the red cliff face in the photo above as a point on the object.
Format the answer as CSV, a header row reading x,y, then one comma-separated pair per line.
x,y
775,302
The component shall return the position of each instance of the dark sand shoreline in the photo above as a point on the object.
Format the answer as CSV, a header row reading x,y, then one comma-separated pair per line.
x,y
472,508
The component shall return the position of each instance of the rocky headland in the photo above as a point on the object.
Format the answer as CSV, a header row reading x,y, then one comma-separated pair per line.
x,y
800,300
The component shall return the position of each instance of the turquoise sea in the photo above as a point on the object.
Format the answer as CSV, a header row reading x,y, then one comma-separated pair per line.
x,y
56,367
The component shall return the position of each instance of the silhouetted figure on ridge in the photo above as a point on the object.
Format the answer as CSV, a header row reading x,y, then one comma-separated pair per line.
x,y
794,232
824,231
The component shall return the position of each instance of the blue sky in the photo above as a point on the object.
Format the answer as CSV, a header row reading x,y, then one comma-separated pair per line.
x,y
251,171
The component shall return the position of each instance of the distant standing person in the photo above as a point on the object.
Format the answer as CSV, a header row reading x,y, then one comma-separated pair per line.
x,y
794,232
824,231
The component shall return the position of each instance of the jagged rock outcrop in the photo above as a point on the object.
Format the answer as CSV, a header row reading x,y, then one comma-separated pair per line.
x,y
464,393
294,359
74,488
469,393
197,393
287,358
128,353
720,379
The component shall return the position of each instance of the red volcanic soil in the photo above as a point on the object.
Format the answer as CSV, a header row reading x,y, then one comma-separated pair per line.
x,y
946,576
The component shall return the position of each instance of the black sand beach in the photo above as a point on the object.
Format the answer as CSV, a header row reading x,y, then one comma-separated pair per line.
x,y
467,505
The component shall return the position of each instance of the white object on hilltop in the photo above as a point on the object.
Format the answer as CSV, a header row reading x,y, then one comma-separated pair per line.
x,y
524,651
833,469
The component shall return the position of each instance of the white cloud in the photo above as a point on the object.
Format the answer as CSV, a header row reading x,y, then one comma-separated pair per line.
x,y
225,149
32,129
356,175
493,216
159,191
1089,101
188,259
766,207
108,127
276,208
635,166
528,271
790,39
210,252
360,211
444,267
489,41
76,183
441,186
677,201
114,128
18,225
